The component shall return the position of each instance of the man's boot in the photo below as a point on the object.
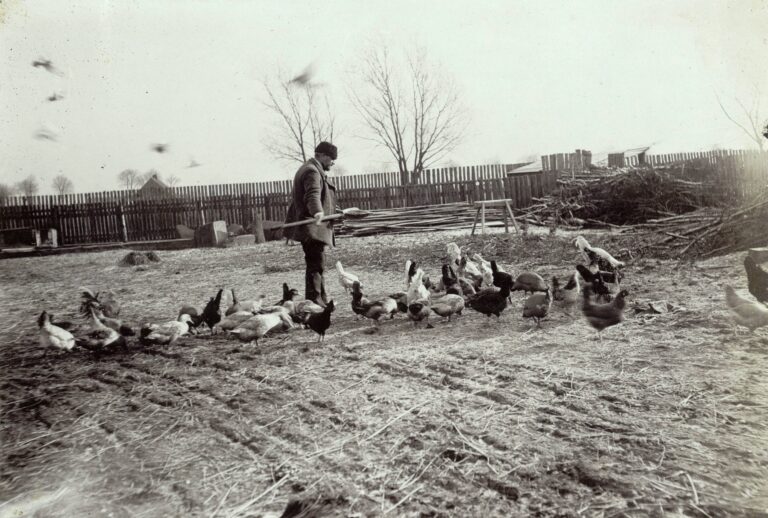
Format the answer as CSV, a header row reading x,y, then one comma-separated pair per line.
x,y
314,288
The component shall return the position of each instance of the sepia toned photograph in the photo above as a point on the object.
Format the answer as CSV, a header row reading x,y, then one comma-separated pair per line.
x,y
264,259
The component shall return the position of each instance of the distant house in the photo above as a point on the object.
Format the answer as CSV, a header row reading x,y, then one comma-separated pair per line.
x,y
628,157
155,188
528,167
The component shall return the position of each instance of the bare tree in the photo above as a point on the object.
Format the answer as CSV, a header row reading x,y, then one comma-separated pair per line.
x,y
28,186
63,185
6,191
417,118
172,181
130,179
302,118
749,119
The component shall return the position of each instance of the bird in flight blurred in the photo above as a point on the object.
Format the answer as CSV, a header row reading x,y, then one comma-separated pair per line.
x,y
55,96
46,133
47,65
160,148
305,78
193,163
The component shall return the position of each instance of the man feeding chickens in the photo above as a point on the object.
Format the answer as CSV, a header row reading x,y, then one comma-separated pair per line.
x,y
314,196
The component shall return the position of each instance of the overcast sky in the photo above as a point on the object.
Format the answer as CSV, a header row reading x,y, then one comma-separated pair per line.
x,y
536,77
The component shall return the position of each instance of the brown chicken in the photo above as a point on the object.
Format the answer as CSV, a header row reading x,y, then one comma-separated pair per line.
x,y
602,316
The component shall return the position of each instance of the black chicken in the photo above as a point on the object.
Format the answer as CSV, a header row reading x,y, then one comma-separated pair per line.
x,y
595,282
320,322
499,277
212,312
490,301
757,280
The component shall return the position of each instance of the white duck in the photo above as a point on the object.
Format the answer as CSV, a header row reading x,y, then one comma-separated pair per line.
x,y
166,333
259,325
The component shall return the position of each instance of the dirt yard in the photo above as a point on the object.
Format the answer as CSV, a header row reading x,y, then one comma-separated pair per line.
x,y
667,417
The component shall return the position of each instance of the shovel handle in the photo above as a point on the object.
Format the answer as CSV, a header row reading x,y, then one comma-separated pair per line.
x,y
303,222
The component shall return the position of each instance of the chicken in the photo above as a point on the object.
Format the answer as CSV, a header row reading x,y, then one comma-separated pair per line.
x,y
448,305
410,271
100,337
490,301
346,279
595,283
751,315
52,336
167,333
500,277
529,282
598,257
418,311
320,322
193,313
566,296
757,280
212,311
454,284
96,305
485,269
102,301
475,279
454,254
257,326
602,316
246,305
537,306
372,310
231,321
417,291
299,309
401,298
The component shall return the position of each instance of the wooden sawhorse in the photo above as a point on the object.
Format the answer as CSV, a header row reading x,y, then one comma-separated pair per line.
x,y
506,211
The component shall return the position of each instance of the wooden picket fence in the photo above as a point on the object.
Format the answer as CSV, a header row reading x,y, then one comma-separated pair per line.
x,y
123,216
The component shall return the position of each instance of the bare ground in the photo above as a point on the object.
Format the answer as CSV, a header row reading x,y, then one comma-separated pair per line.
x,y
666,417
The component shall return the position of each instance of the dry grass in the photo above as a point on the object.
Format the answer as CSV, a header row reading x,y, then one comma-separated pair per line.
x,y
471,418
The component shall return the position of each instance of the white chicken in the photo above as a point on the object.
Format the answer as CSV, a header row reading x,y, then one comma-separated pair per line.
x,y
52,336
596,256
346,278
417,290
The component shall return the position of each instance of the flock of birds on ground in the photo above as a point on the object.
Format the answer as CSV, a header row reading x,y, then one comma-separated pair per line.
x,y
475,283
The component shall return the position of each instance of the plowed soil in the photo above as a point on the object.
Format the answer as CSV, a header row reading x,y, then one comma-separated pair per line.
x,y
475,417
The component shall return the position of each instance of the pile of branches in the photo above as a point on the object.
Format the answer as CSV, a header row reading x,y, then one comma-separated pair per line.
x,y
711,231
625,197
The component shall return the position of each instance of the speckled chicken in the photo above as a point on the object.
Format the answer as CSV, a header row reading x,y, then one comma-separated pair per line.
x,y
448,305
537,306
529,282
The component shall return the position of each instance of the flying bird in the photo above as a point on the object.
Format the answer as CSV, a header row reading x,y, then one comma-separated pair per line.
x,y
159,148
55,97
193,163
305,78
46,133
47,65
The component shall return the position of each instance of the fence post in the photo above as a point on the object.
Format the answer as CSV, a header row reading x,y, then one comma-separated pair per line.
x,y
121,223
201,212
